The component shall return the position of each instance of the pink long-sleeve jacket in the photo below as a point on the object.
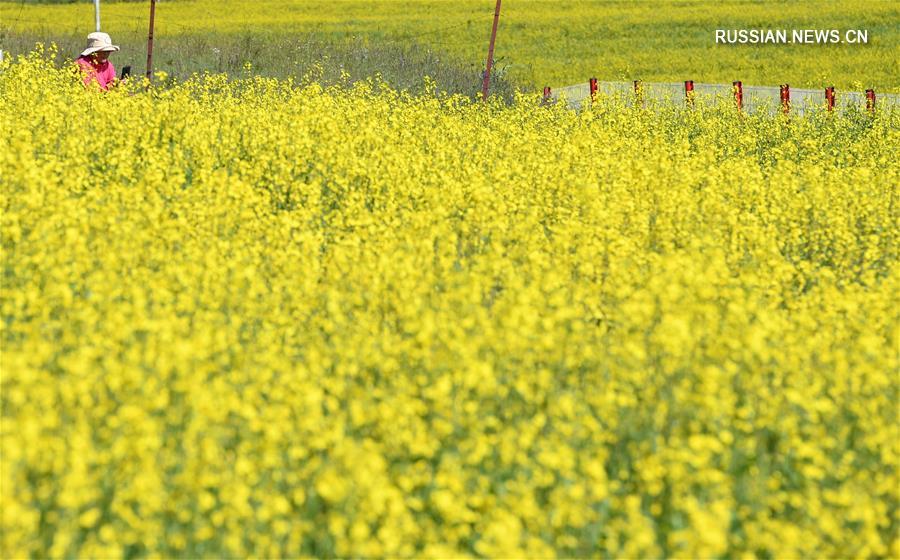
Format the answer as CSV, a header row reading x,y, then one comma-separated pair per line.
x,y
103,73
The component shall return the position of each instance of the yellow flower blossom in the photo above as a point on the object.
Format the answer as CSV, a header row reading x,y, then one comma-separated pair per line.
x,y
244,317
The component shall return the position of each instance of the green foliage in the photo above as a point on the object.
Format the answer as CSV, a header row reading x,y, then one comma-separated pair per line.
x,y
334,60
544,42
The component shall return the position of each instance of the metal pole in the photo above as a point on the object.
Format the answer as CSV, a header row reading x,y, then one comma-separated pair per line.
x,y
150,39
785,98
490,58
97,13
689,92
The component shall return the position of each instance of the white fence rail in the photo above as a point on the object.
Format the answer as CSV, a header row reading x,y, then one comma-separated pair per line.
x,y
754,98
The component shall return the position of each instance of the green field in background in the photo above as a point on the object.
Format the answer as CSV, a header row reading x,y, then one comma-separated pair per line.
x,y
539,42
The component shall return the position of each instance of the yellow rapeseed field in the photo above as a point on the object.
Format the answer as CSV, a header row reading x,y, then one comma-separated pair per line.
x,y
259,318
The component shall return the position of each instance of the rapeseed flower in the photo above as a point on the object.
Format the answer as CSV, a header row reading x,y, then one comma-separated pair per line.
x,y
270,319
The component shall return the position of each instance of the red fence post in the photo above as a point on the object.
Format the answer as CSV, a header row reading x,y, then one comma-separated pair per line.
x,y
829,98
870,100
594,88
689,92
546,94
150,39
785,98
486,80
738,94
639,92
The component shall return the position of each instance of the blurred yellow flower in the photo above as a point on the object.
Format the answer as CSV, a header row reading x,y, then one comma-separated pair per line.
x,y
242,317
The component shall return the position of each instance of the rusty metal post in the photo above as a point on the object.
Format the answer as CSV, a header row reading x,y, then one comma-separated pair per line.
x,y
490,58
785,98
546,99
592,84
150,39
738,95
829,98
870,100
689,92
639,92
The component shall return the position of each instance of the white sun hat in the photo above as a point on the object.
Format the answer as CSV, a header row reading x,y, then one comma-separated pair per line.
x,y
97,42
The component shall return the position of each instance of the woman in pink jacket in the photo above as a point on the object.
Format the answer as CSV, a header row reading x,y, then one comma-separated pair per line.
x,y
94,61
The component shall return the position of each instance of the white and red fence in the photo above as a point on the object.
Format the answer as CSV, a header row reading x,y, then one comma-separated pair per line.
x,y
751,99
